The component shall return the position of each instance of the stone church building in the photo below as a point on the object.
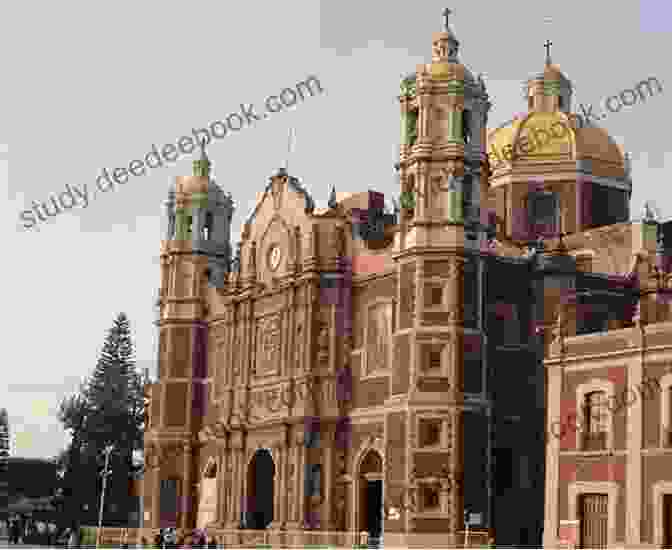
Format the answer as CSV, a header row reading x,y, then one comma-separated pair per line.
x,y
353,369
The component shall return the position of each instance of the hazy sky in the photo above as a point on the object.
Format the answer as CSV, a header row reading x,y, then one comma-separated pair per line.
x,y
91,85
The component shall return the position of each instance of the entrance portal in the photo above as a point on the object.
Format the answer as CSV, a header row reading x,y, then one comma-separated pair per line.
x,y
667,521
260,479
371,495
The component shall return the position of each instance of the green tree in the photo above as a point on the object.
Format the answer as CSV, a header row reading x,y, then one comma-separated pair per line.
x,y
4,457
4,439
108,410
73,413
115,397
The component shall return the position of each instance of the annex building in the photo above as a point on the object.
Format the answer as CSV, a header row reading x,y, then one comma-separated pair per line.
x,y
352,369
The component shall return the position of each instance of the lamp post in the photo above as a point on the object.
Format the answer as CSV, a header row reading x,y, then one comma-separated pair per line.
x,y
106,472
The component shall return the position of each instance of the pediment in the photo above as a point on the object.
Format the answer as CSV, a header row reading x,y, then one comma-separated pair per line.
x,y
282,193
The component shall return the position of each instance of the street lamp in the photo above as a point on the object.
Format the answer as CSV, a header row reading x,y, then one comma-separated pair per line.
x,y
106,472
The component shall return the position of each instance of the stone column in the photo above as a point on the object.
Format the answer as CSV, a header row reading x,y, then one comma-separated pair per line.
x,y
282,459
221,482
300,460
156,490
187,489
239,483
422,189
278,487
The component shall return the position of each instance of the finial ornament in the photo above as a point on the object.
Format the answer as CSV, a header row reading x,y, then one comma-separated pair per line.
x,y
291,139
548,45
650,213
446,13
202,166
332,198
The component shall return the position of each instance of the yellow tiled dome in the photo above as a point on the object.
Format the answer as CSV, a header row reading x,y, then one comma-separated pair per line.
x,y
550,136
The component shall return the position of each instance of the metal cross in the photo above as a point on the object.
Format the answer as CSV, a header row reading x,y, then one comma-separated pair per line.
x,y
548,48
446,13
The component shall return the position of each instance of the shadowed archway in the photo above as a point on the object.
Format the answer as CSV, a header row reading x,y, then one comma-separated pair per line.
x,y
260,482
370,509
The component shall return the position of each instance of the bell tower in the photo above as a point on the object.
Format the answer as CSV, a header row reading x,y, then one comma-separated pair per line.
x,y
443,174
195,255
442,168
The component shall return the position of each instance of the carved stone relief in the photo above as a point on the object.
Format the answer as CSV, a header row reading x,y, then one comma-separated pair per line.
x,y
268,346
378,334
323,342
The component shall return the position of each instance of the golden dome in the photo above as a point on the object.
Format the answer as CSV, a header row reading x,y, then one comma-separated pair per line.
x,y
544,136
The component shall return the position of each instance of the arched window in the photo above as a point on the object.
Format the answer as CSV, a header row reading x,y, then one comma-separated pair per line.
x,y
466,125
207,228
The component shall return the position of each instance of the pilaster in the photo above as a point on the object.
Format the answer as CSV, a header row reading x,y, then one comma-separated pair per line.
x,y
237,494
551,514
327,489
634,441
222,473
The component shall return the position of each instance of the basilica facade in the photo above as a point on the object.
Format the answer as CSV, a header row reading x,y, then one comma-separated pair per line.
x,y
351,369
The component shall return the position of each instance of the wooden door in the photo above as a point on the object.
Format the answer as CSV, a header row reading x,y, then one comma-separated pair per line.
x,y
594,522
667,521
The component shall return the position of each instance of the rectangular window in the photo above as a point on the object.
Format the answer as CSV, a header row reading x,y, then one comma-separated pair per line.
x,y
607,206
429,498
437,296
595,418
434,362
429,432
543,214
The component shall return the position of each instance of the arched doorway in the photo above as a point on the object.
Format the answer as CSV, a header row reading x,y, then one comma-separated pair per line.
x,y
260,474
370,508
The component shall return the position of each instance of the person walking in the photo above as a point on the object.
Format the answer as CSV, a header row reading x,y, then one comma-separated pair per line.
x,y
51,533
14,531
75,540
